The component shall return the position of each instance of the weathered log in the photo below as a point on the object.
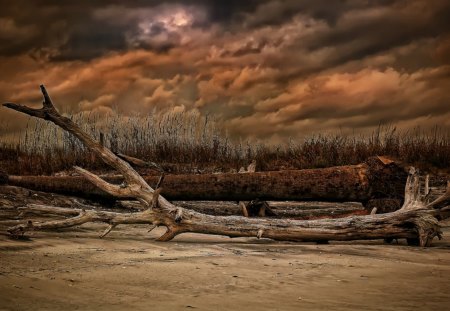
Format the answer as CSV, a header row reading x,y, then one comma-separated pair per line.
x,y
293,210
409,223
376,178
12,197
415,220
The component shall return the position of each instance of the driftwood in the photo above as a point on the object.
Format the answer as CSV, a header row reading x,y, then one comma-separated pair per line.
x,y
293,210
417,220
12,197
376,178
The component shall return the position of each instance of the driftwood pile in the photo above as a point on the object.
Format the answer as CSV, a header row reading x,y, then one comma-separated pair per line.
x,y
417,220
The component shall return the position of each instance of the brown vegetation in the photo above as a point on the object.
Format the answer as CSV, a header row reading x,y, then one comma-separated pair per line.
x,y
417,220
186,143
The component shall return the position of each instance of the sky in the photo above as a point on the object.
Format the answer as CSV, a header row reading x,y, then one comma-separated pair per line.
x,y
271,69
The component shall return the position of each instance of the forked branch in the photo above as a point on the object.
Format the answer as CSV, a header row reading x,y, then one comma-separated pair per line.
x,y
416,220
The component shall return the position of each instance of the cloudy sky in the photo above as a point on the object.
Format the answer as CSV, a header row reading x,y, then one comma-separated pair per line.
x,y
268,69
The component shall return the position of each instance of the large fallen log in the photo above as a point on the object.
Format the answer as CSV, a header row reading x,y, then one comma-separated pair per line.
x,y
416,220
376,178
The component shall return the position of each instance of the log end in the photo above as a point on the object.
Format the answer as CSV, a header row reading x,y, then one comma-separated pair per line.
x,y
387,178
385,160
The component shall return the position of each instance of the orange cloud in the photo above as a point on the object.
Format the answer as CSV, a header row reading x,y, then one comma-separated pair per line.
x,y
270,70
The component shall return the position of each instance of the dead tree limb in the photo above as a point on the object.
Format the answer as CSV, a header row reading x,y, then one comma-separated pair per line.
x,y
140,163
413,221
292,210
418,225
376,178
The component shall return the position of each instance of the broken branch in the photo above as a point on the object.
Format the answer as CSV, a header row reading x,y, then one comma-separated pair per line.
x,y
414,220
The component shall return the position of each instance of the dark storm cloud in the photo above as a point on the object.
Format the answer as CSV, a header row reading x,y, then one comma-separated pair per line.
x,y
385,27
30,26
262,68
72,31
365,31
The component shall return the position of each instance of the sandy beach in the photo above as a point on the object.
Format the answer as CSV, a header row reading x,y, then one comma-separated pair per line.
x,y
75,270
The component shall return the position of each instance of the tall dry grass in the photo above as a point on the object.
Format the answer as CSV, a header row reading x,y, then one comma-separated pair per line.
x,y
189,142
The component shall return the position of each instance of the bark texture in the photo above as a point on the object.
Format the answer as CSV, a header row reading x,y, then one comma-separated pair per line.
x,y
416,220
374,179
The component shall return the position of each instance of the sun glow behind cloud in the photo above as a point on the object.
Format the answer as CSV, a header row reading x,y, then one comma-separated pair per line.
x,y
163,27
266,69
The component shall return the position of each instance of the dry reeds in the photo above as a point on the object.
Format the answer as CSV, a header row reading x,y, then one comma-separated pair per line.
x,y
189,142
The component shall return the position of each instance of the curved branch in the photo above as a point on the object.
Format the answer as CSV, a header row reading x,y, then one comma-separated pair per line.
x,y
77,217
82,218
441,201
168,235
414,221
107,231
115,190
49,112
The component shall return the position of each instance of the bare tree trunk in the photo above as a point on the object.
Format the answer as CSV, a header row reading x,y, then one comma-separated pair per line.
x,y
376,178
415,220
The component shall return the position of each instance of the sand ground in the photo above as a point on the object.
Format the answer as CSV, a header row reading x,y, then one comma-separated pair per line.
x,y
75,270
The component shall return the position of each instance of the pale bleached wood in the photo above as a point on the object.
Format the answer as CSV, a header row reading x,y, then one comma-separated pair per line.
x,y
414,220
